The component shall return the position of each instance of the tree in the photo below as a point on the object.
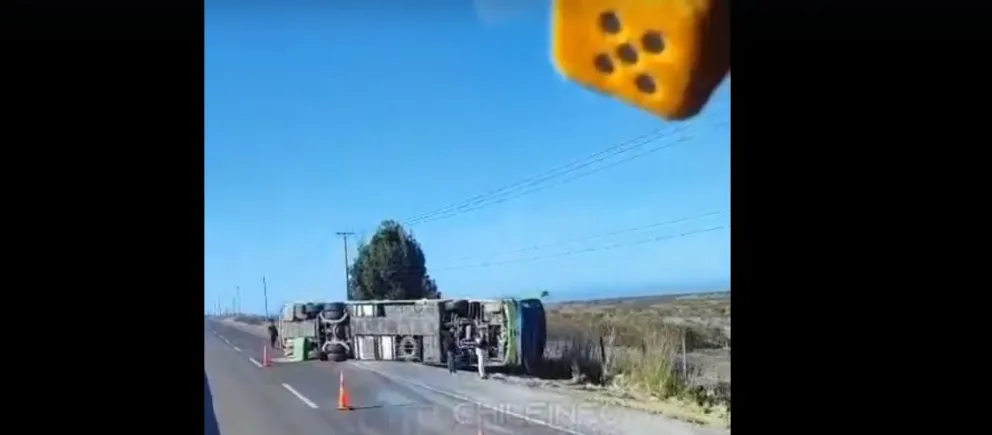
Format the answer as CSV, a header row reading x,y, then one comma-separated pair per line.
x,y
390,266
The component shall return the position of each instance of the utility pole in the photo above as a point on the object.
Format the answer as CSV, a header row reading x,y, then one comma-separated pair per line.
x,y
265,297
344,237
237,300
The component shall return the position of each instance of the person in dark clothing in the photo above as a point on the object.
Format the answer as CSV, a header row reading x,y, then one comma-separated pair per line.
x,y
448,341
273,335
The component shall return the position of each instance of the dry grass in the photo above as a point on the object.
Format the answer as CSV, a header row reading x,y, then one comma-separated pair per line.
x,y
659,353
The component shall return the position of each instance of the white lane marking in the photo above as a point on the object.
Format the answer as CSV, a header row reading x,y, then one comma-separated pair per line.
x,y
303,398
236,349
499,409
254,361
226,341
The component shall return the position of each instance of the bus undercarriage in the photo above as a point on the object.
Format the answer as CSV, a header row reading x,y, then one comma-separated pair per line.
x,y
410,330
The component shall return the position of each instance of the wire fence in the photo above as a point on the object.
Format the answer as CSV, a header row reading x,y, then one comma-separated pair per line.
x,y
652,355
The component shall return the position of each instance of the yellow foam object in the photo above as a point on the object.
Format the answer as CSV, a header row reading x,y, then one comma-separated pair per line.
x,y
664,56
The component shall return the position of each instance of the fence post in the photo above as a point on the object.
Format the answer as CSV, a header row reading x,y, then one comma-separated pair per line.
x,y
685,368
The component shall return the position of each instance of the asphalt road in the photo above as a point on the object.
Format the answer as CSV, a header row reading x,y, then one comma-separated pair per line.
x,y
243,398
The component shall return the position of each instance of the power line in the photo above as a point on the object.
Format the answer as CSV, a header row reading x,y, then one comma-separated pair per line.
x,y
583,251
619,148
611,233
473,203
484,200
541,188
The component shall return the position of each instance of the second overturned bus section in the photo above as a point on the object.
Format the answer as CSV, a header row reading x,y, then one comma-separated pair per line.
x,y
410,330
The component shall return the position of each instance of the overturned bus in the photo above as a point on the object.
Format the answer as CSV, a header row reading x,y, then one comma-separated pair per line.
x,y
410,330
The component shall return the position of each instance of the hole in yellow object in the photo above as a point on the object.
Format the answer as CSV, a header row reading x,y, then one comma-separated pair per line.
x,y
603,64
645,83
609,22
627,54
652,42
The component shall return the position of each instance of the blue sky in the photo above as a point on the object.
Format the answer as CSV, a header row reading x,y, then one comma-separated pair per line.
x,y
331,116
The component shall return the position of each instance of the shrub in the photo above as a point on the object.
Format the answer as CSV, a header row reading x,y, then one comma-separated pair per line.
x,y
640,350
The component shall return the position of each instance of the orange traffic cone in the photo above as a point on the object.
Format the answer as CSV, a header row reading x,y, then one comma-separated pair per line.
x,y
344,404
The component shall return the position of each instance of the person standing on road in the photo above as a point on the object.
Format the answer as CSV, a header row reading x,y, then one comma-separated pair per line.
x,y
273,335
480,355
448,341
